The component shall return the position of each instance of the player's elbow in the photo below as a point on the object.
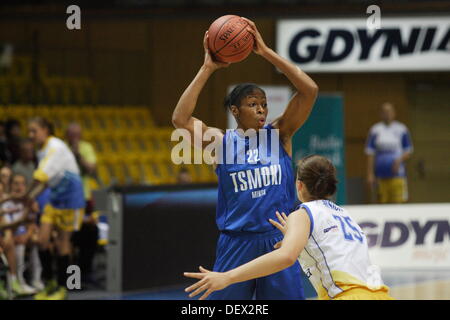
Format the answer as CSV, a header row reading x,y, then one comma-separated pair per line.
x,y
313,90
287,259
291,259
308,95
177,121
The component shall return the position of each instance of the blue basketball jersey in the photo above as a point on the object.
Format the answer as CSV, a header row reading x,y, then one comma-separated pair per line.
x,y
251,190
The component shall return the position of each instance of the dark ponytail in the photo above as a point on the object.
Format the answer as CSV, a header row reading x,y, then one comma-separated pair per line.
x,y
319,176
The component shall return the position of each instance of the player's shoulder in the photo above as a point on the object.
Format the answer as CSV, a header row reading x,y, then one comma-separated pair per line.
x,y
376,127
316,213
55,142
322,208
399,126
60,145
310,207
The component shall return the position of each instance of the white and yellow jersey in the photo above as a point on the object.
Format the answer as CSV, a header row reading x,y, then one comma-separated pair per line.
x,y
55,159
336,257
59,169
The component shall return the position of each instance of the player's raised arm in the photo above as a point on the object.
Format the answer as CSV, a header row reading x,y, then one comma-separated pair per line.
x,y
303,100
182,115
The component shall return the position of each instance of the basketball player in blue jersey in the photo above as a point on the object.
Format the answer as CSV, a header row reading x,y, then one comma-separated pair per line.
x,y
249,193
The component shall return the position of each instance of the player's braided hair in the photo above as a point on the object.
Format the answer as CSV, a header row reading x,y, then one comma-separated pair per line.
x,y
319,176
239,92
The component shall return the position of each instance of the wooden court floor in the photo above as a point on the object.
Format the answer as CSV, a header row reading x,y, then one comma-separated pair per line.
x,y
419,284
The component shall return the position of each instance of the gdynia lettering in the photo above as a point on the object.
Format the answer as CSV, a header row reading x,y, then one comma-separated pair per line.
x,y
396,233
390,44
303,50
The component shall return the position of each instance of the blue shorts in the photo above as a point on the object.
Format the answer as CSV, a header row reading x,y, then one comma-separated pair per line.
x,y
68,193
235,249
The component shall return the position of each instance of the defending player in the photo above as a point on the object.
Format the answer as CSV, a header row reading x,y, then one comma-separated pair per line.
x,y
331,247
249,193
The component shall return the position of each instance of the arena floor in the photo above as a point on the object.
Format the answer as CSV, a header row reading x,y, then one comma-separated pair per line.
x,y
404,284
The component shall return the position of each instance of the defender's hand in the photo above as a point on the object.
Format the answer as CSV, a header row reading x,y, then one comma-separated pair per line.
x,y
282,226
209,281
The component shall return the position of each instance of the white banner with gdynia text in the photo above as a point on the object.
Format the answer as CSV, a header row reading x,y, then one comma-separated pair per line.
x,y
350,45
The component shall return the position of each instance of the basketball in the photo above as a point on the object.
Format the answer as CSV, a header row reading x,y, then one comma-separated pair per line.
x,y
229,41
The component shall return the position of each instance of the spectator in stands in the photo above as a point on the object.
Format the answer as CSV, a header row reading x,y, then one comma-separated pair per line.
x,y
184,176
14,138
388,146
5,178
85,240
18,232
7,248
26,164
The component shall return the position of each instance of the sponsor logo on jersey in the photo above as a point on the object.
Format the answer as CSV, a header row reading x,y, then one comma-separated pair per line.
x,y
330,228
256,178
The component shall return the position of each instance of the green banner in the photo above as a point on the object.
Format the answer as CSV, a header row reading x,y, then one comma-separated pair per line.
x,y
323,134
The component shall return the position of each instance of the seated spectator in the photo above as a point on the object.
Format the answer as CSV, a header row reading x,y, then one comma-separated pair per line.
x,y
17,233
26,164
5,178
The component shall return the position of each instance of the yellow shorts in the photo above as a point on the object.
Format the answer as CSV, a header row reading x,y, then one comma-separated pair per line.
x,y
363,294
392,190
64,219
